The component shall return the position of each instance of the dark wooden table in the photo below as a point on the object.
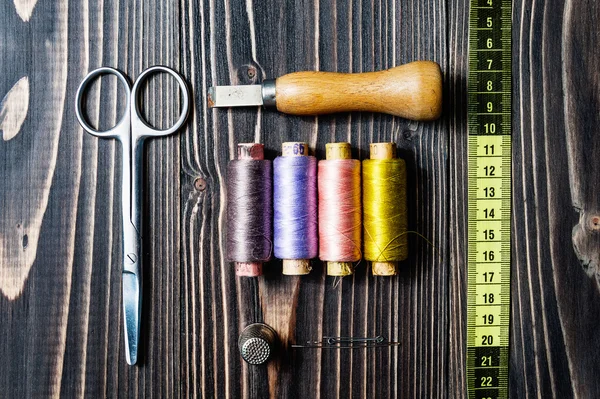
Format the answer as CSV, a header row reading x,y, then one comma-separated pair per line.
x,y
60,236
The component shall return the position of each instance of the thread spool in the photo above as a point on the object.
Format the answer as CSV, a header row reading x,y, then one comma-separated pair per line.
x,y
295,208
340,213
384,209
249,210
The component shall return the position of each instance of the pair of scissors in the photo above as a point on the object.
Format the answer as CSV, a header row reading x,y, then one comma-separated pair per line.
x,y
131,131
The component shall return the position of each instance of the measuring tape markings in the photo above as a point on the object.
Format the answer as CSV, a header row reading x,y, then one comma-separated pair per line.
x,y
489,198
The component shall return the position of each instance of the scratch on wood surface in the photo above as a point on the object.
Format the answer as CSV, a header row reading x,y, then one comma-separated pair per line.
x,y
13,109
25,8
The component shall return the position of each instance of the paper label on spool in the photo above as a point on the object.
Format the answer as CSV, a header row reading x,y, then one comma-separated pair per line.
x,y
294,149
251,151
337,151
382,150
248,269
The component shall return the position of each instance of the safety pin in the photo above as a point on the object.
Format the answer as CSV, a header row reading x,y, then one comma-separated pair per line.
x,y
348,343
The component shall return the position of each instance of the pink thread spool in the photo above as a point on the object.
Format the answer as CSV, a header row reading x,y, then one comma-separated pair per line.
x,y
340,213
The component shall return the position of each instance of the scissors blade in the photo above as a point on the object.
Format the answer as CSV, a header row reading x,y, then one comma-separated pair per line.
x,y
131,311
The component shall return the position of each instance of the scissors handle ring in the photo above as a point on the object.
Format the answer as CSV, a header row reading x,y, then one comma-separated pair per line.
x,y
185,106
81,95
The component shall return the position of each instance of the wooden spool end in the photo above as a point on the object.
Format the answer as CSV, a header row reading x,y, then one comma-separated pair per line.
x,y
384,268
340,269
296,267
339,151
383,151
254,151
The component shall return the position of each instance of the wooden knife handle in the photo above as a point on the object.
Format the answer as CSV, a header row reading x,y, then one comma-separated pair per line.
x,y
412,91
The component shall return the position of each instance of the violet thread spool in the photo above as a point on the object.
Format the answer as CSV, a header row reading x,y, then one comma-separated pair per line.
x,y
249,210
385,219
340,213
295,208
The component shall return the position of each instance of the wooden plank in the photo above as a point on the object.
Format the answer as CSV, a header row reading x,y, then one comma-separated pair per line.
x,y
66,333
554,302
581,82
243,43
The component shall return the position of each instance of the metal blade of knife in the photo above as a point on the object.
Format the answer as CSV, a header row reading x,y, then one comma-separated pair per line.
x,y
235,96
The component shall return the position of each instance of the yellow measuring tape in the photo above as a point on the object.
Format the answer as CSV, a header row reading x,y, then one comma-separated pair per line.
x,y
489,200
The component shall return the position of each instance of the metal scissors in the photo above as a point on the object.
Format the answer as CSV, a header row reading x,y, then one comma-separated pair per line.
x,y
131,131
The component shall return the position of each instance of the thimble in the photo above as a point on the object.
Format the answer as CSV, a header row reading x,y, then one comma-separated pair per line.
x,y
257,342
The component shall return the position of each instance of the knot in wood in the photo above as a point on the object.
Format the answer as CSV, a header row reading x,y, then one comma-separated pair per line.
x,y
594,223
200,184
248,74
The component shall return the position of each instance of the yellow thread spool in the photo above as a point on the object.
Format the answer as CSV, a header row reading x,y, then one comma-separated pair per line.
x,y
338,151
295,267
384,209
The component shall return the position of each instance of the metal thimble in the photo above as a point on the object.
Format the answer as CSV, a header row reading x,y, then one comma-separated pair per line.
x,y
257,343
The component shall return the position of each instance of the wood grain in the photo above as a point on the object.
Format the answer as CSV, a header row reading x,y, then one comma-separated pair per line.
x,y
60,240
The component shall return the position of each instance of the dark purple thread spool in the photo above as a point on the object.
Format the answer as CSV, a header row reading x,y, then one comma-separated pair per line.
x,y
249,210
